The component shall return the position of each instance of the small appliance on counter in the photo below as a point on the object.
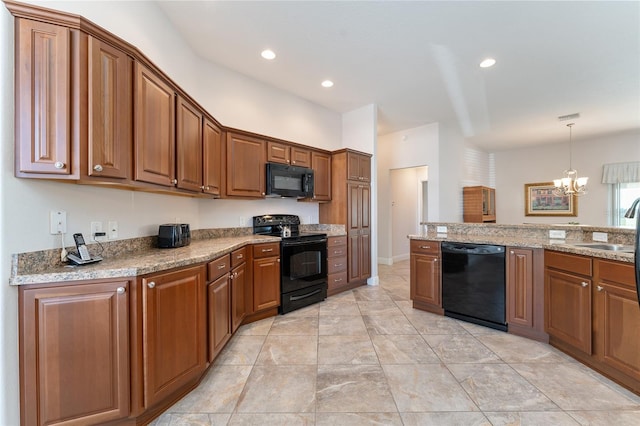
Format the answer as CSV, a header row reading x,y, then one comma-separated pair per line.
x,y
172,235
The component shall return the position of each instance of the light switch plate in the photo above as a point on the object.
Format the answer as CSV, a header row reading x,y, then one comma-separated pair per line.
x,y
58,222
557,234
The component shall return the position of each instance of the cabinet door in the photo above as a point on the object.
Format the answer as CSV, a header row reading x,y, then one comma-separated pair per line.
x,y
617,317
43,99
174,331
300,157
219,315
425,279
212,152
266,283
364,166
241,303
154,118
278,153
246,158
568,308
520,287
189,146
321,165
74,350
365,255
110,101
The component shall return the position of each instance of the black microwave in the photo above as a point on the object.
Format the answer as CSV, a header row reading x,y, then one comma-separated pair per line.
x,y
289,181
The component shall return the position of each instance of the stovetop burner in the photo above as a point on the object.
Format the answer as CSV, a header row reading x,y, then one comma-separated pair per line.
x,y
286,226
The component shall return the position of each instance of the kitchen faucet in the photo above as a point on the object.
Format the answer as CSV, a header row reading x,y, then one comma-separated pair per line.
x,y
631,212
629,215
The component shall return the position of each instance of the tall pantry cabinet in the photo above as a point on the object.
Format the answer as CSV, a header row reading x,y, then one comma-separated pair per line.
x,y
351,205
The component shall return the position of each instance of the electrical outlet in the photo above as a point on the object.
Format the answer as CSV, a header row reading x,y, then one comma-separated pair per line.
x,y
600,236
557,234
95,228
58,222
441,229
113,230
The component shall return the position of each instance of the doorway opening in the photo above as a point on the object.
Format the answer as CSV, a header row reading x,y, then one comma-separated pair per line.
x,y
408,208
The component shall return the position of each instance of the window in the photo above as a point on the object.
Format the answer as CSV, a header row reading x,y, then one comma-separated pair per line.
x,y
624,195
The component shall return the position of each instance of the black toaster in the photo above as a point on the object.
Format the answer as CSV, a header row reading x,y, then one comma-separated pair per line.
x,y
171,235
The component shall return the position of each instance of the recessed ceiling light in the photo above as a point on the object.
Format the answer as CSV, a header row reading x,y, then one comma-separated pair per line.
x,y
489,62
268,54
327,83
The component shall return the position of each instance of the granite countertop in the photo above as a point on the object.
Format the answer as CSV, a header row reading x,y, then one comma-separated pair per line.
x,y
524,241
143,262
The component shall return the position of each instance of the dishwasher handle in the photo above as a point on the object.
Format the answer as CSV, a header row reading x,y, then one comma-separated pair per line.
x,y
476,249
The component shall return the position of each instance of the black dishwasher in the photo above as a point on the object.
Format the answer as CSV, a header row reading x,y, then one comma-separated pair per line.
x,y
473,283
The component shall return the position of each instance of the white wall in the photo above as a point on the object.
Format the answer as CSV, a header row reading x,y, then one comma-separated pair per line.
x,y
414,147
359,133
544,163
405,197
233,99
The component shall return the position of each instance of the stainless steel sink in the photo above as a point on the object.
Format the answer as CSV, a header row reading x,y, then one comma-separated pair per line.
x,y
605,246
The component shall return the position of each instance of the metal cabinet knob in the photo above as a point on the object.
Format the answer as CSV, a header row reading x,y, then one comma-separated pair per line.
x,y
584,284
202,187
97,167
151,284
58,165
278,260
600,288
174,181
120,290
207,188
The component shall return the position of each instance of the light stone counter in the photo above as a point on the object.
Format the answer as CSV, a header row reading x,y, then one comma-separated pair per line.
x,y
533,236
138,263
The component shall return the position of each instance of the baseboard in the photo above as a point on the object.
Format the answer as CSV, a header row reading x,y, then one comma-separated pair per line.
x,y
401,257
373,280
385,261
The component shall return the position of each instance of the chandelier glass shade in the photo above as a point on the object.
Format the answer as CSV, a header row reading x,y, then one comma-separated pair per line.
x,y
570,183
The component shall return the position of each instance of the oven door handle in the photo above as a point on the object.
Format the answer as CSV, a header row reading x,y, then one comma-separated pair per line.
x,y
302,243
303,296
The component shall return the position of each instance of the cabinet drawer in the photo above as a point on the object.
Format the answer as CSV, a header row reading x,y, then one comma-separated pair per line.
x,y
338,251
617,272
218,267
238,256
266,250
336,264
568,262
426,247
337,280
336,241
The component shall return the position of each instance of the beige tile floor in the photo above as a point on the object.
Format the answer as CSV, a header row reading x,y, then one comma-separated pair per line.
x,y
366,357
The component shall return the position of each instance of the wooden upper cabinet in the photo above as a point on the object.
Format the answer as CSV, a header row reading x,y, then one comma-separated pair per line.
x,y
358,167
74,353
479,204
188,146
278,152
212,158
110,137
43,100
246,159
154,118
321,165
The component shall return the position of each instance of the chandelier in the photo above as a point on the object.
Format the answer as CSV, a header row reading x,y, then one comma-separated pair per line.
x,y
570,184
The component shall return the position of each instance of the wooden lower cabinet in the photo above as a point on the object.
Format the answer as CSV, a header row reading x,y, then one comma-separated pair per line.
x,y
241,304
426,276
525,292
616,321
337,265
174,339
266,276
567,287
74,353
218,305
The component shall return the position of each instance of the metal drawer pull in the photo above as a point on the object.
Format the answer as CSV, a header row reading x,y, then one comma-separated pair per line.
x,y
120,290
302,296
584,284
222,266
151,284
337,280
600,288
239,256
425,247
337,265
267,250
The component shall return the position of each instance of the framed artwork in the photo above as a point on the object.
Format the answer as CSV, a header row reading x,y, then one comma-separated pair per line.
x,y
539,200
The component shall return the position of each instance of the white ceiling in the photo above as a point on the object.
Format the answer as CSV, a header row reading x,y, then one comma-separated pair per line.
x,y
418,61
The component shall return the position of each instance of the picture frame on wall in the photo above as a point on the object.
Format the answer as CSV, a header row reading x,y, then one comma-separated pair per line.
x,y
539,200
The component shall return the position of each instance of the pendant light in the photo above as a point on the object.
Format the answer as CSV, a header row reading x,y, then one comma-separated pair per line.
x,y
570,183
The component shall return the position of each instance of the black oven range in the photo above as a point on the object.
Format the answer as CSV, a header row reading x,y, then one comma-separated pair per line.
x,y
303,260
